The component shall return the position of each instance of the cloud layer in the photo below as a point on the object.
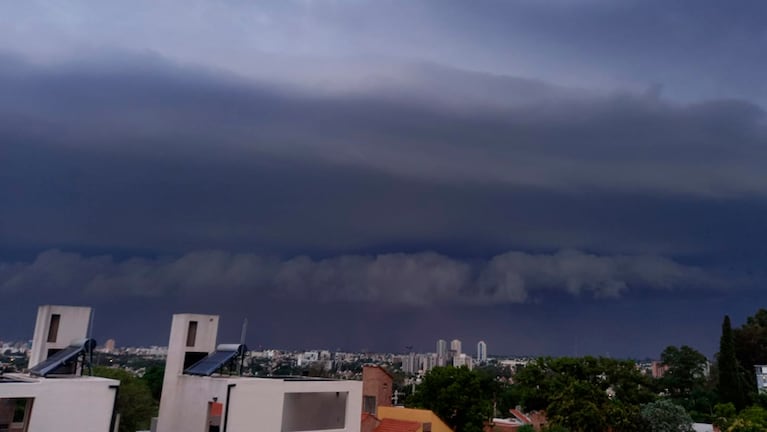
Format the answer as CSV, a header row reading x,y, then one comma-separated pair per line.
x,y
409,279
140,153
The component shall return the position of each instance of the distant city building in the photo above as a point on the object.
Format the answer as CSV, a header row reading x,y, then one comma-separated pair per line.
x,y
410,364
442,352
109,346
481,352
761,378
463,360
306,358
455,346
658,369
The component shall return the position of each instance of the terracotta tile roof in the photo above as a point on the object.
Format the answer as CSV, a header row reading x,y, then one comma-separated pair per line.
x,y
392,425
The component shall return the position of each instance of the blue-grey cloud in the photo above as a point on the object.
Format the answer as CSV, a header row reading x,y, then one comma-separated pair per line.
x,y
418,279
145,154
695,51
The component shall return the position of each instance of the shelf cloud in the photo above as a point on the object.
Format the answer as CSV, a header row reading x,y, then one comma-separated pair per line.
x,y
415,279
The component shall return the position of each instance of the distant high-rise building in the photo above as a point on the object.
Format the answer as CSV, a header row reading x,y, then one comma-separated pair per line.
x,y
463,360
455,346
109,346
481,352
441,352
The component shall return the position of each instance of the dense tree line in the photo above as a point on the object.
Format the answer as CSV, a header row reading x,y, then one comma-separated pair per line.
x,y
592,394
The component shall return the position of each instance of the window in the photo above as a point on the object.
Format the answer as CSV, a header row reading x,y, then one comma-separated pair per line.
x,y
15,413
53,328
191,334
314,411
369,404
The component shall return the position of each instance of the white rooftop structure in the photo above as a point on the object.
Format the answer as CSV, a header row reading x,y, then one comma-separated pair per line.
x,y
54,396
203,391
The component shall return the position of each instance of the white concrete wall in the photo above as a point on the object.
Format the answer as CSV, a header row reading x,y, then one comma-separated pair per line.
x,y
257,404
182,395
73,325
61,404
187,407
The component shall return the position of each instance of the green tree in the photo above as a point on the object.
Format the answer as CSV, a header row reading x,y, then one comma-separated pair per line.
x,y
460,397
585,394
153,377
665,416
753,419
730,383
750,342
134,399
686,383
686,371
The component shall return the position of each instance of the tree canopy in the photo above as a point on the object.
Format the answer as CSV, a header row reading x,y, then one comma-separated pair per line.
x,y
686,383
586,394
750,344
460,397
730,375
134,399
665,416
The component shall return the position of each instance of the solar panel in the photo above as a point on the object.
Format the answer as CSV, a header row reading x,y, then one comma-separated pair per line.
x,y
54,362
216,360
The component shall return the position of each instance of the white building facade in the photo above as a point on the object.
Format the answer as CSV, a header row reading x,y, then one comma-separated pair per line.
x,y
198,399
481,352
54,396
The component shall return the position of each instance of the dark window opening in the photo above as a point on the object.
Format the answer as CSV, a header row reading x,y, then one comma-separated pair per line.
x,y
314,411
191,334
369,404
53,328
15,414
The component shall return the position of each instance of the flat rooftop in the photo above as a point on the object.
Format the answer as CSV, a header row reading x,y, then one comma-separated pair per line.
x,y
23,378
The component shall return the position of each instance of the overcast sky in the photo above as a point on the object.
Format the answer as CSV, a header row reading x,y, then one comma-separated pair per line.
x,y
554,177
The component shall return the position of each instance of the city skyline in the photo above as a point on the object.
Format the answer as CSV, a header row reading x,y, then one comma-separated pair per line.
x,y
554,178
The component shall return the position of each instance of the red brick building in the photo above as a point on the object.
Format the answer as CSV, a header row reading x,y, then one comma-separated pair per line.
x,y
376,388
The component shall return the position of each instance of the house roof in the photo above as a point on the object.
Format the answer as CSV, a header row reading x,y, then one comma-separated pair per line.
x,y
523,418
392,425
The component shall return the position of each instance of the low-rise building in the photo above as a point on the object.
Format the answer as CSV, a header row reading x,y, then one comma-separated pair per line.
x,y
203,390
55,395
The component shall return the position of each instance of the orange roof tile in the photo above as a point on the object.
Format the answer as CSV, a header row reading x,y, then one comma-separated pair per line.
x,y
392,425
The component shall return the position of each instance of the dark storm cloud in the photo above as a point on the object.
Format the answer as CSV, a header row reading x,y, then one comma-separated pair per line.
x,y
139,153
312,150
409,279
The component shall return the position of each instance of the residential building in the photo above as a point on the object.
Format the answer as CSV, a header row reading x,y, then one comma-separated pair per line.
x,y
463,360
55,395
442,352
109,346
203,390
377,384
761,378
481,352
658,369
455,346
